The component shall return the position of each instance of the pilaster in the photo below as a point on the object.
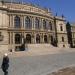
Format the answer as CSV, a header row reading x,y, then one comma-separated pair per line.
x,y
24,22
32,23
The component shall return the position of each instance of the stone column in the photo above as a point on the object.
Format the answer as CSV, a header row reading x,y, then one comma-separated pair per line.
x,y
24,21
32,23
10,38
22,37
41,38
53,28
34,38
25,35
13,21
13,47
47,25
9,21
48,38
13,38
10,42
41,24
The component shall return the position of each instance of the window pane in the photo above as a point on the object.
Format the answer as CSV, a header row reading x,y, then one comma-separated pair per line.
x,y
28,23
37,23
17,22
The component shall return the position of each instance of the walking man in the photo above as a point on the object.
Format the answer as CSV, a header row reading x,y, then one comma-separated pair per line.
x,y
5,64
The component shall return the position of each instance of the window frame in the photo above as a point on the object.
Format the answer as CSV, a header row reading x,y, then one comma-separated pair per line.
x,y
17,22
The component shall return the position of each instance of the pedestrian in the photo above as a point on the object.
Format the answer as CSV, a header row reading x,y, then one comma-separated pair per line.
x,y
5,64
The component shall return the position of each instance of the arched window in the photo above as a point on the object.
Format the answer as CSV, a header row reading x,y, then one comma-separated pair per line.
x,y
61,28
28,24
44,24
50,25
37,23
17,22
62,39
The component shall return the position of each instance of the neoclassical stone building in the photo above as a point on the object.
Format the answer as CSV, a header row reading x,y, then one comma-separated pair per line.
x,y
28,24
73,34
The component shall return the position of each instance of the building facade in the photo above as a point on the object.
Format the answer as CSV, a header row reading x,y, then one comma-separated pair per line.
x,y
73,35
28,24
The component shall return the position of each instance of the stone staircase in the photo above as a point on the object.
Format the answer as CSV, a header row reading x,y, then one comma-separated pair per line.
x,y
39,49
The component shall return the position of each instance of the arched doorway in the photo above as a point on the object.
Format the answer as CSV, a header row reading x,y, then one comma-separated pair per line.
x,y
51,39
17,39
45,39
28,38
37,38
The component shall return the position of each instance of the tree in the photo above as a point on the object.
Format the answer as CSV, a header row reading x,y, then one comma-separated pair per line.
x,y
69,33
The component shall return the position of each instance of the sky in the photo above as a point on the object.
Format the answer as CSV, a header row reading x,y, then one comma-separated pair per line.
x,y
65,7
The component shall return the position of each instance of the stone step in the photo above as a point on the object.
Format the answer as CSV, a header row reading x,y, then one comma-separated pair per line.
x,y
38,49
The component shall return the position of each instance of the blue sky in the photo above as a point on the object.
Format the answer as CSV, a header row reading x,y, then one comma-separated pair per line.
x,y
65,7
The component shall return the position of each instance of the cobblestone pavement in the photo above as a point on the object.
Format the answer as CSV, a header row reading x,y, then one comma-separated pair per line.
x,y
39,65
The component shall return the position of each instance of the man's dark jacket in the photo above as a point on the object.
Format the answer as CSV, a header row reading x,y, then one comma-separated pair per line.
x,y
5,63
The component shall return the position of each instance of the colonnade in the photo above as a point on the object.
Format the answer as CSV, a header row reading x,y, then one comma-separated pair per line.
x,y
28,35
49,23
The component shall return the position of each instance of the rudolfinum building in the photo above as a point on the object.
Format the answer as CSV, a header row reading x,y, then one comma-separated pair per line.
x,y
23,24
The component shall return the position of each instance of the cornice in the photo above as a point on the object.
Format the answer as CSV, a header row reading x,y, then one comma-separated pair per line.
x,y
26,12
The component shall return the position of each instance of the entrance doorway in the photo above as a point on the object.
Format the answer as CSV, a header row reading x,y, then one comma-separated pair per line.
x,y
28,38
17,39
37,38
51,39
45,38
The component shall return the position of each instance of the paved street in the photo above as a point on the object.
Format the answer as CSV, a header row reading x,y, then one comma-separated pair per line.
x,y
41,64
